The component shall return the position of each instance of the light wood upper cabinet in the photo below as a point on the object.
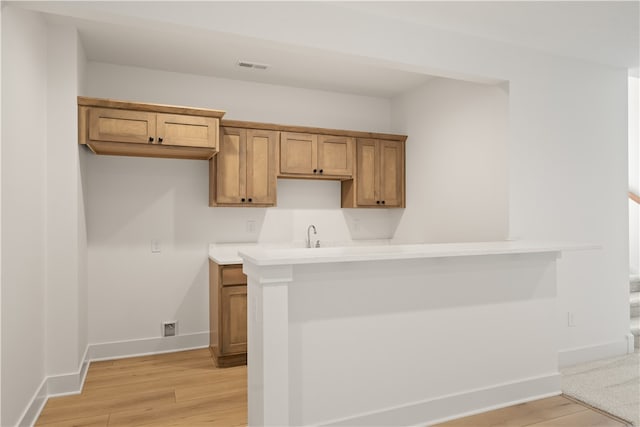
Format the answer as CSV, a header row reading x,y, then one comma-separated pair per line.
x,y
380,177
367,176
304,155
148,130
335,155
391,173
187,131
244,172
298,153
136,127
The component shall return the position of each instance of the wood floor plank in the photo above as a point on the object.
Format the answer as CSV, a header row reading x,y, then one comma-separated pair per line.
x,y
210,410
523,414
128,376
556,410
586,418
232,382
70,407
185,379
186,389
189,355
97,421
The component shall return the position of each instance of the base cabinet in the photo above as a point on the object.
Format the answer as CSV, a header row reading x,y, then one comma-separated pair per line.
x,y
227,314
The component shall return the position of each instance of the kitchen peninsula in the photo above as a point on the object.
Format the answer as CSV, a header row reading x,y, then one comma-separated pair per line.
x,y
399,334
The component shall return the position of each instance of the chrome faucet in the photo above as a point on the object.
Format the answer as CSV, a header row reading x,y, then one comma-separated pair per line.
x,y
309,245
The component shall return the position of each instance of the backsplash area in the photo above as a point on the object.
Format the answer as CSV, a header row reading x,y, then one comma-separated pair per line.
x,y
134,202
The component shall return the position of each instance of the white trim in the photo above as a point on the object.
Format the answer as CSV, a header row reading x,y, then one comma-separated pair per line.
x,y
72,383
630,343
578,355
146,346
67,384
452,406
35,406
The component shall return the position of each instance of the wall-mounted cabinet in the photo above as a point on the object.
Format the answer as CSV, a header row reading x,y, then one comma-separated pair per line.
x,y
380,177
147,130
244,171
305,155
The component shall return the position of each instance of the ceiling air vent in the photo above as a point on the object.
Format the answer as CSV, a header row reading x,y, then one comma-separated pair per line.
x,y
247,64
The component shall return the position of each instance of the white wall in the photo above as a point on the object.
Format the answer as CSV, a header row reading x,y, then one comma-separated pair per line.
x,y
132,201
634,174
66,341
456,161
567,139
82,246
24,135
0,220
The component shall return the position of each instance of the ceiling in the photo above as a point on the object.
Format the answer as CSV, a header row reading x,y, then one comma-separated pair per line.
x,y
199,52
604,32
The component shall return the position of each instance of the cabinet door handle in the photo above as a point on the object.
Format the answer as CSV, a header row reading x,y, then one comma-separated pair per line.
x,y
150,139
250,200
242,200
320,170
160,140
383,202
377,202
315,171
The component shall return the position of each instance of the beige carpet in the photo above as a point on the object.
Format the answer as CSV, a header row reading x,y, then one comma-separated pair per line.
x,y
612,385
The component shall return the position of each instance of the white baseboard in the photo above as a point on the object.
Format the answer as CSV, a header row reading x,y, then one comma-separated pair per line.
x,y
72,383
66,384
457,405
574,356
132,348
32,412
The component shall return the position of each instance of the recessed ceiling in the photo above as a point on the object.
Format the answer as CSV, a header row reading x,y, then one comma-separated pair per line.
x,y
217,54
606,32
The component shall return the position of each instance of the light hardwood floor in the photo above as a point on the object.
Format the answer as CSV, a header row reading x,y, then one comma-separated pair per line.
x,y
186,389
174,389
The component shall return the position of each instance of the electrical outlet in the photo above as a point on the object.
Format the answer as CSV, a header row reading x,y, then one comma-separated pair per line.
x,y
571,319
251,226
170,328
155,247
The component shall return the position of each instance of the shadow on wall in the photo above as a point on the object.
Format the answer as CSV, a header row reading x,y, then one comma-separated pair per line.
x,y
366,224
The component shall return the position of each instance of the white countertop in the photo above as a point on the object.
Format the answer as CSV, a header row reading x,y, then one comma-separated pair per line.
x,y
261,255
227,253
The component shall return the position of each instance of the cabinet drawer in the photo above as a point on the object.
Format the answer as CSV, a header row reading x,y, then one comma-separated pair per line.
x,y
233,276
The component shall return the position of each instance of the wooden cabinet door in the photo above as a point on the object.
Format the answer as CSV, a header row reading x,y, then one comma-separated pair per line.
x,y
391,172
231,167
335,155
187,131
234,319
298,153
112,125
366,176
260,166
